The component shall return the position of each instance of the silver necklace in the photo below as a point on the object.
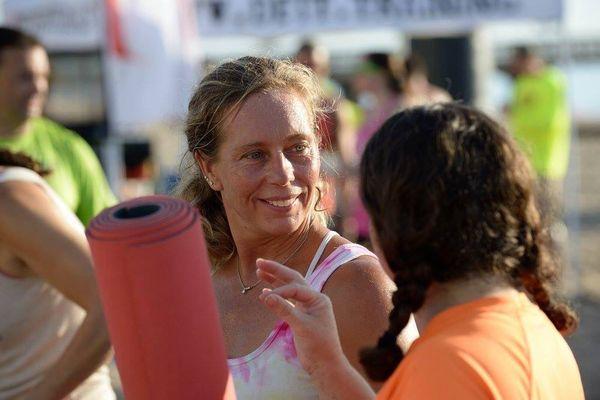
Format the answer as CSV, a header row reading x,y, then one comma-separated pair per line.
x,y
247,288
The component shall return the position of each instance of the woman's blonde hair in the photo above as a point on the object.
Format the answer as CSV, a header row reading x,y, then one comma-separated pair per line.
x,y
216,98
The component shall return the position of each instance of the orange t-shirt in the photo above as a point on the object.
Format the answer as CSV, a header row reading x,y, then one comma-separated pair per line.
x,y
493,348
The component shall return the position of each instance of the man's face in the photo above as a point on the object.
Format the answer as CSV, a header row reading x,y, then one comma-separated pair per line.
x,y
23,82
316,59
518,65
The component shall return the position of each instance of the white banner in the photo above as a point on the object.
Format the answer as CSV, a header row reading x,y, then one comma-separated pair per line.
x,y
273,17
62,25
79,24
150,75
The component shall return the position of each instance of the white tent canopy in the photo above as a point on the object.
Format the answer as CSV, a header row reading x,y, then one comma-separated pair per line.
x,y
79,24
275,17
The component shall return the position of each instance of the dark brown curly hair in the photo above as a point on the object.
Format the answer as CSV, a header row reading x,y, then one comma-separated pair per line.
x,y
450,197
10,159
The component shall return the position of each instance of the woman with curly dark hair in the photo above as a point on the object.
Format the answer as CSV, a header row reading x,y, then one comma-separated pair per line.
x,y
455,224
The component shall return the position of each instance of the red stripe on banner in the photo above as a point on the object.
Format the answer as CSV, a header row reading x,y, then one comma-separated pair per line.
x,y
187,18
116,45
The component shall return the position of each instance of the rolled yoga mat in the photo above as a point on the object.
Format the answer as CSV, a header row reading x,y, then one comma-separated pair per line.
x,y
154,278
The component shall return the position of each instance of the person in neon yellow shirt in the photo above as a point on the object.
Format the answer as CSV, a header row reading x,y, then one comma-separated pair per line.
x,y
540,114
540,122
77,175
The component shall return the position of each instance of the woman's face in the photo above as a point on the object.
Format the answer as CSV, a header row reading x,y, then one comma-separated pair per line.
x,y
267,166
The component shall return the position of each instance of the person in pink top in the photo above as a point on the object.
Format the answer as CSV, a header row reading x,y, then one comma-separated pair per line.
x,y
455,224
377,84
253,171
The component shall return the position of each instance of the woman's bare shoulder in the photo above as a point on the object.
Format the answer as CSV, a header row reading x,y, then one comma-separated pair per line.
x,y
364,273
360,275
17,194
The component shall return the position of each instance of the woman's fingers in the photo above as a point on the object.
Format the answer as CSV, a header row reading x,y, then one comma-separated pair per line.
x,y
282,308
295,292
277,274
268,278
309,314
283,302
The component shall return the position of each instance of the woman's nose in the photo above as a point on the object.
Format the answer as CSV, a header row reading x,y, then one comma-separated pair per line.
x,y
282,170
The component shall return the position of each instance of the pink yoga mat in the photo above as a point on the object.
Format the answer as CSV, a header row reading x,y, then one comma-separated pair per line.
x,y
154,279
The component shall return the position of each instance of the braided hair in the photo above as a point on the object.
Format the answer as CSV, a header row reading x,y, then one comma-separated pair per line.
x,y
450,197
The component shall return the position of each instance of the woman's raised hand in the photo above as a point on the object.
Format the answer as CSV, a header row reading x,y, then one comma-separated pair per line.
x,y
308,313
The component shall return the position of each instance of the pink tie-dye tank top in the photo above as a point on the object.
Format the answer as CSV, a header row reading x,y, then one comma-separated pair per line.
x,y
273,370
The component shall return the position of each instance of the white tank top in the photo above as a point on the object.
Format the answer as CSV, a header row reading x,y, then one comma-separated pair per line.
x,y
37,322
273,370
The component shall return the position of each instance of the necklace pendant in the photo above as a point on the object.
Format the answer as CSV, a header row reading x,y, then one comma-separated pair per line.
x,y
245,289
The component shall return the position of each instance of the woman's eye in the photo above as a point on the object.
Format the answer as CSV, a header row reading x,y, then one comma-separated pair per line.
x,y
300,147
254,155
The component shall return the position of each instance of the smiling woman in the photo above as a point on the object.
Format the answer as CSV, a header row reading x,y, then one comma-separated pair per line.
x,y
253,172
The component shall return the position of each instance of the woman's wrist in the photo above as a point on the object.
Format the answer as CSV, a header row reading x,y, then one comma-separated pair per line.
x,y
332,365
336,378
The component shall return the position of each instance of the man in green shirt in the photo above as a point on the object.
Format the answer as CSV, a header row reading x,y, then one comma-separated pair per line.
x,y
540,122
540,114
76,172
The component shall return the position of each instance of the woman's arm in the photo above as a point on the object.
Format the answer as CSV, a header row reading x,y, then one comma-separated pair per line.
x,y
310,316
33,229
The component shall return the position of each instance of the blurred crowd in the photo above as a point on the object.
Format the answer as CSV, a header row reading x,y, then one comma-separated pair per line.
x,y
386,83
382,85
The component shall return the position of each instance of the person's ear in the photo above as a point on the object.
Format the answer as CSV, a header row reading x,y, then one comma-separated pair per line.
x,y
207,168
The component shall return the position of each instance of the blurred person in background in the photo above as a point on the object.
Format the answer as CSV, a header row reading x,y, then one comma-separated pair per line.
x,y
337,125
377,85
540,121
53,337
253,171
455,224
416,88
316,58
77,175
